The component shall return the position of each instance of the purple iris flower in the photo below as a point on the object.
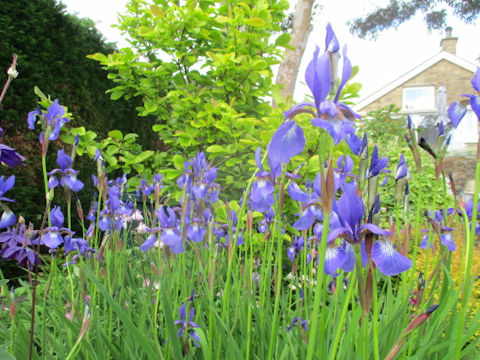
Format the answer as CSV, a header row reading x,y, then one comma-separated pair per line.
x,y
458,109
347,224
333,116
8,218
439,224
288,141
296,248
196,230
425,243
261,193
9,156
16,244
402,169
146,189
233,232
475,99
469,211
298,321
310,211
198,179
187,326
377,165
53,236
53,120
76,244
268,217
6,185
117,213
343,171
170,234
67,174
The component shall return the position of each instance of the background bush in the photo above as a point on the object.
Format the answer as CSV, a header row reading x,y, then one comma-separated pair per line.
x,y
52,47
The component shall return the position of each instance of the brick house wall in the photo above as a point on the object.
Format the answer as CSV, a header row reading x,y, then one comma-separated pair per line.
x,y
444,73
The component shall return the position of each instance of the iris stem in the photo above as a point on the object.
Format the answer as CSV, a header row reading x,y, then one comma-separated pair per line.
x,y
319,290
341,321
470,239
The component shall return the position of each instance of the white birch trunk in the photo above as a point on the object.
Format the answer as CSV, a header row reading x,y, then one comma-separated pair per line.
x,y
288,70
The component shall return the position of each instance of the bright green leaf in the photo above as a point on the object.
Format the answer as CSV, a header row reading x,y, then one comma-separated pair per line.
x,y
256,22
116,134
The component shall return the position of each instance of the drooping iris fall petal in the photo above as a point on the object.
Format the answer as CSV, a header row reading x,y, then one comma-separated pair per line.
x,y
389,261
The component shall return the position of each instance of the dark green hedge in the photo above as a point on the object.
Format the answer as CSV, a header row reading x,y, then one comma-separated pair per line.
x,y
52,47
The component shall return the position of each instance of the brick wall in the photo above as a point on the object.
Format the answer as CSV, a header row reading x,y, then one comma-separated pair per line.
x,y
455,78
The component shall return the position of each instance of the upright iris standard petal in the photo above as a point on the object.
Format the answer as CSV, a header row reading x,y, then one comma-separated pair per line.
x,y
318,76
64,161
56,217
402,169
331,42
288,141
350,207
376,164
346,73
258,158
389,261
55,111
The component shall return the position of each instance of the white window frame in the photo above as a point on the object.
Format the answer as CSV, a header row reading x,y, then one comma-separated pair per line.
x,y
428,104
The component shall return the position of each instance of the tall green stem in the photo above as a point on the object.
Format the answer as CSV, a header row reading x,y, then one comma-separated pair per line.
x,y
470,239
319,291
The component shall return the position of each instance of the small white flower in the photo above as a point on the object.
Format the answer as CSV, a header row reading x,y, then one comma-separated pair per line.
x,y
12,73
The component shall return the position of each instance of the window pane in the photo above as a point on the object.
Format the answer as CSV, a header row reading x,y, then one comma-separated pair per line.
x,y
418,98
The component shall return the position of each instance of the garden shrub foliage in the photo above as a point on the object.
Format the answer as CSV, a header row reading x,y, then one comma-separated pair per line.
x,y
52,47
204,71
208,276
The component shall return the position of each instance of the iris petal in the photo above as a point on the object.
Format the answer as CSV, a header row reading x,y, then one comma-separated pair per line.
x,y
456,112
447,240
151,240
288,141
335,256
305,221
389,261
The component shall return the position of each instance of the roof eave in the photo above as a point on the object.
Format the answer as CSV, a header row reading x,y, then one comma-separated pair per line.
x,y
442,55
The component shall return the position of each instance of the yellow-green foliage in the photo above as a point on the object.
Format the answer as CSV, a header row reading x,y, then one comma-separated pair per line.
x,y
457,267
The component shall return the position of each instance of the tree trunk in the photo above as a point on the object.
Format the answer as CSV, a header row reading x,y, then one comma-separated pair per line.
x,y
287,73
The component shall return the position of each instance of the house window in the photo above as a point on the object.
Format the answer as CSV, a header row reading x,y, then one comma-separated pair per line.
x,y
419,98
